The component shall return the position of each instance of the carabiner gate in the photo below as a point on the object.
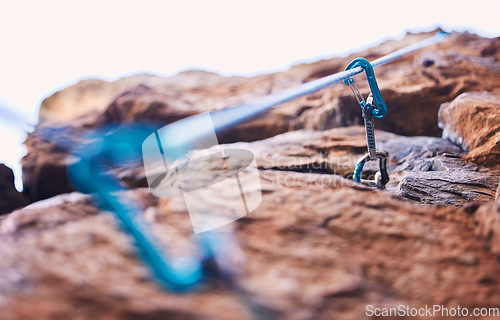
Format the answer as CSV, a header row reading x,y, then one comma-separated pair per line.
x,y
381,177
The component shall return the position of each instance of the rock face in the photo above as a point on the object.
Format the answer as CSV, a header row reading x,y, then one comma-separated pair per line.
x,y
472,120
423,169
454,187
94,94
413,87
319,246
316,248
10,198
488,219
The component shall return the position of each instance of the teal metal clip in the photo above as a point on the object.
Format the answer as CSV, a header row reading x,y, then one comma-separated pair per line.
x,y
380,109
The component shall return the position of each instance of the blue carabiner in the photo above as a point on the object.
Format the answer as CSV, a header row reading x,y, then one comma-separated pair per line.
x,y
381,109
90,174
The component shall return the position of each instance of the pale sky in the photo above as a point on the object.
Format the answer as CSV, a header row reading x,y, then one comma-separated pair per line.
x,y
47,45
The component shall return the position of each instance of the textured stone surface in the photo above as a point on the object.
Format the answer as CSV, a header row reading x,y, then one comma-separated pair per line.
x,y
473,121
319,246
413,87
423,169
331,250
10,198
432,162
94,94
455,187
488,219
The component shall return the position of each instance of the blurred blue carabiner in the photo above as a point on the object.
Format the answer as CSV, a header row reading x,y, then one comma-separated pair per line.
x,y
90,174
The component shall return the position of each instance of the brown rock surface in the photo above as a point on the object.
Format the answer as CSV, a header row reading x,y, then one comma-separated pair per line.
x,y
315,249
423,169
413,87
430,168
95,94
473,121
455,186
497,196
319,246
488,219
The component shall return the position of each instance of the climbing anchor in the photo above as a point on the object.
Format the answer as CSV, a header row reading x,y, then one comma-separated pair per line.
x,y
370,111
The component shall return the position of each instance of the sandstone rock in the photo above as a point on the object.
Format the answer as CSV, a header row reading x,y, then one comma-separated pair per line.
x,y
455,187
144,104
422,169
472,120
10,198
319,246
315,249
497,197
443,177
413,88
95,95
487,218
334,151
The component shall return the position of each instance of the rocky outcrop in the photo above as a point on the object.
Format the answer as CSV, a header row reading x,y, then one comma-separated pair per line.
x,y
319,246
45,165
422,169
94,94
314,249
472,120
413,87
10,198
487,218
457,186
